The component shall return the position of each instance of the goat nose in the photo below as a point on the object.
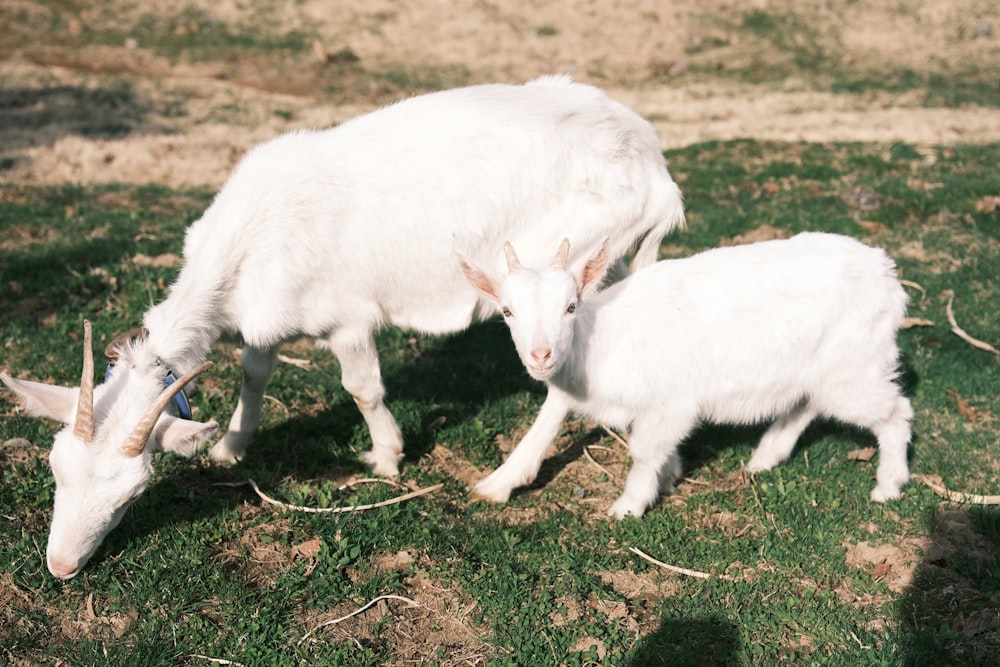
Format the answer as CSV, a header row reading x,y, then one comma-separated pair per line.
x,y
62,570
541,354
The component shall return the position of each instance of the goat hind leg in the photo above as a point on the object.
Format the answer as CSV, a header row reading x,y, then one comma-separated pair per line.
x,y
257,364
893,439
778,442
362,378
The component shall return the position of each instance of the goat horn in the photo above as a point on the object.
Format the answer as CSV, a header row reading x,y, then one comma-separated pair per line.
x,y
137,441
561,255
513,263
111,351
84,426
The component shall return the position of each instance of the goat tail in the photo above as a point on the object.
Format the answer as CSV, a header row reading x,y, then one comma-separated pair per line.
x,y
670,217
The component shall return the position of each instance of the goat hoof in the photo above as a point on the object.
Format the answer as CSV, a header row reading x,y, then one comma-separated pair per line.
x,y
622,508
221,453
382,466
491,492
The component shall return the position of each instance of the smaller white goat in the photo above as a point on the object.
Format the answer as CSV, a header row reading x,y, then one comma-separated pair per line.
x,y
790,329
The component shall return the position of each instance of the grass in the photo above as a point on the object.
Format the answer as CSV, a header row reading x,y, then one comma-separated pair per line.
x,y
809,47
819,575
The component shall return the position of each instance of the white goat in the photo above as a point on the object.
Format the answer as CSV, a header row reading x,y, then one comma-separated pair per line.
x,y
788,329
333,234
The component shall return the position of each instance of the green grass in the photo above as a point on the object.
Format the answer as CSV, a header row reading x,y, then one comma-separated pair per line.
x,y
198,569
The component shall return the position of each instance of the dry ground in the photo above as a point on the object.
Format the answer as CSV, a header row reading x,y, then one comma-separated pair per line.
x,y
91,93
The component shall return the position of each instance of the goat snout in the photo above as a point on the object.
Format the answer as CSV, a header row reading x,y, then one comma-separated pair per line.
x,y
63,570
541,355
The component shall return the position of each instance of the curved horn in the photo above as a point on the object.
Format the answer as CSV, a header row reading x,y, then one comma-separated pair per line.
x,y
561,255
137,441
111,351
84,426
513,263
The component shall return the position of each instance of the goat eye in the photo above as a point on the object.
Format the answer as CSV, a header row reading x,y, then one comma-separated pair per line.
x,y
506,311
571,309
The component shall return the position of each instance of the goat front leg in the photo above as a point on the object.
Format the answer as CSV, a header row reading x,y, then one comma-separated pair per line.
x,y
362,378
656,463
522,466
257,367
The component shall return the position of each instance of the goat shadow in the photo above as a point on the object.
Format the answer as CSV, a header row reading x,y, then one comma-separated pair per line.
x,y
706,641
947,615
456,375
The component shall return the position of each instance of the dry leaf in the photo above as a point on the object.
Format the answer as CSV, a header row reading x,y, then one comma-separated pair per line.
x,y
962,404
911,322
865,454
882,570
989,204
920,184
306,550
872,226
165,261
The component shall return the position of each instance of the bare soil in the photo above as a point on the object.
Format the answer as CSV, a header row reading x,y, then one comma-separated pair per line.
x,y
91,96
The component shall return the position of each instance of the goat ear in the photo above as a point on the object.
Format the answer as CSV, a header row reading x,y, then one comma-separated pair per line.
x,y
181,436
45,400
481,279
588,272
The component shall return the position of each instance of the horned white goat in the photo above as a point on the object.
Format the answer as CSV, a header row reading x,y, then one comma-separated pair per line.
x,y
786,330
333,234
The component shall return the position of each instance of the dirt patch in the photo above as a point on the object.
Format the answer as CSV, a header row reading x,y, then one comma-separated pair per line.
x,y
427,621
954,536
262,553
893,563
457,467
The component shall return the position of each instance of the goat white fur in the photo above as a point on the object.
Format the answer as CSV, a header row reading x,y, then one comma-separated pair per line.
x,y
786,330
333,234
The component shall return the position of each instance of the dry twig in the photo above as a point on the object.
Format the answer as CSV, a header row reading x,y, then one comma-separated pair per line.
x,y
916,286
586,452
332,510
412,603
299,363
955,496
680,570
617,437
958,331
218,661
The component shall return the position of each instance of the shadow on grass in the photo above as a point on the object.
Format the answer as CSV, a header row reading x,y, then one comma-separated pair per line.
x,y
29,116
949,615
456,377
707,641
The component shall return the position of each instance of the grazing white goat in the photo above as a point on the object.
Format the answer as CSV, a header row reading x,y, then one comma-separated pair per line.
x,y
786,330
333,234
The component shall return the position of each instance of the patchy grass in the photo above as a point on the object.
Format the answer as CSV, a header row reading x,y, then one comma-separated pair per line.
x,y
815,572
826,47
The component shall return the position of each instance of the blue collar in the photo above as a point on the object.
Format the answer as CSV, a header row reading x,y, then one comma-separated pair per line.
x,y
181,401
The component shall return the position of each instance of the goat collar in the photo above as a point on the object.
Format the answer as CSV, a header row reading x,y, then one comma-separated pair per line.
x,y
181,402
